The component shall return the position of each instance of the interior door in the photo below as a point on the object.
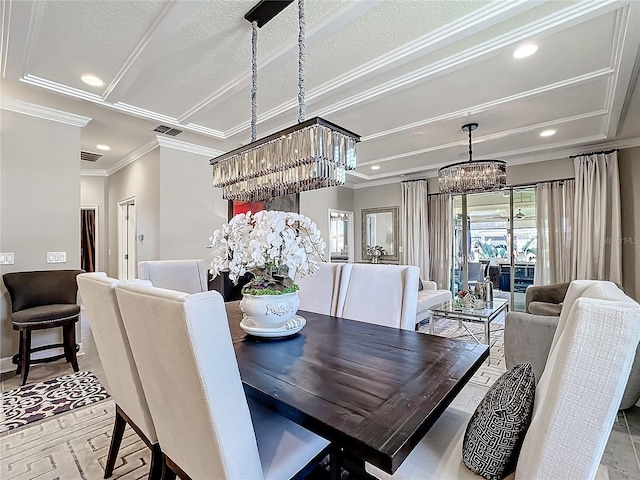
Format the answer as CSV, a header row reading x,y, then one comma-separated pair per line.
x,y
127,240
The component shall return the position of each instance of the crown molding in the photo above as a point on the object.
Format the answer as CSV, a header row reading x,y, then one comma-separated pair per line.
x,y
468,25
93,172
566,17
187,147
46,113
476,109
167,24
553,154
489,137
345,14
133,156
159,141
625,45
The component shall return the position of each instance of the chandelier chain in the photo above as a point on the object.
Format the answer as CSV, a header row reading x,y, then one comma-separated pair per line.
x,y
470,154
254,80
302,108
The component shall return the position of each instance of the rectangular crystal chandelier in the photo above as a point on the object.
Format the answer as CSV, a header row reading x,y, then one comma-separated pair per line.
x,y
310,155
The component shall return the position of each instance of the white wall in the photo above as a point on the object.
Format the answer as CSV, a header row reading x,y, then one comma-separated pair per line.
x,y
373,197
629,164
190,207
140,179
93,192
39,205
315,204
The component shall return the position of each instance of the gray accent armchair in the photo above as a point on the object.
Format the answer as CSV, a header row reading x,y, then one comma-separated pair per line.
x,y
546,299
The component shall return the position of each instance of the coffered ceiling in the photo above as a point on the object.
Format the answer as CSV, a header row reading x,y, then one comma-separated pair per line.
x,y
405,74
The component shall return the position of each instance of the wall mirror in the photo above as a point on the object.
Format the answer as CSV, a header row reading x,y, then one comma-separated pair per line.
x,y
340,236
380,227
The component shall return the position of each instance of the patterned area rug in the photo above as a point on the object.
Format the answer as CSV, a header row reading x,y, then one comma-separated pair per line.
x,y
72,446
491,369
45,399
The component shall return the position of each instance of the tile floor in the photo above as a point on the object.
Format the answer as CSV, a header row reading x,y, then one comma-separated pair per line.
x,y
620,457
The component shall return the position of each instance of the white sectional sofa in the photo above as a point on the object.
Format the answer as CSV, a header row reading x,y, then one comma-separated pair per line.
x,y
428,297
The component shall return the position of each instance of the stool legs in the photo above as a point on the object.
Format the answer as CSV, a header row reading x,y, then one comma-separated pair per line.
x,y
69,334
25,356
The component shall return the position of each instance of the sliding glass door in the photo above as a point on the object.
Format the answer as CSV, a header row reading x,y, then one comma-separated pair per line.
x,y
485,245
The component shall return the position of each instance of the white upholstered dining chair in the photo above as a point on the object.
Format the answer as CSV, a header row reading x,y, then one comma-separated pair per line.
x,y
206,427
188,276
319,292
99,299
576,399
382,294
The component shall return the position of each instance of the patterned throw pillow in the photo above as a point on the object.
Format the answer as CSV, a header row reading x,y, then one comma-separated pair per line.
x,y
497,428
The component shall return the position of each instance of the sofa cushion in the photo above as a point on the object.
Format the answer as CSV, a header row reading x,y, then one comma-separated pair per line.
x,y
545,308
497,428
429,298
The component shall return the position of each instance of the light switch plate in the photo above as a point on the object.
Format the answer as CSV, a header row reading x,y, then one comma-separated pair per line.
x,y
6,258
56,257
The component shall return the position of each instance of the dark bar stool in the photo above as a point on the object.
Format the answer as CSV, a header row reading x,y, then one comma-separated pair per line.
x,y
40,300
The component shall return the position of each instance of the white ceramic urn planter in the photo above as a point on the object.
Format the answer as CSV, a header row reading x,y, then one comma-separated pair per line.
x,y
270,311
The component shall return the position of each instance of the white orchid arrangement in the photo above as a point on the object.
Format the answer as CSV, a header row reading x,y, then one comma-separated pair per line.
x,y
267,244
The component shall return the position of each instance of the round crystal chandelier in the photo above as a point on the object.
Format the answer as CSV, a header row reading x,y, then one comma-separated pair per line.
x,y
472,176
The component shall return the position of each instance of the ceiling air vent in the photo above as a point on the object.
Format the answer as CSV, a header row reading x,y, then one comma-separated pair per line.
x,y
172,132
90,157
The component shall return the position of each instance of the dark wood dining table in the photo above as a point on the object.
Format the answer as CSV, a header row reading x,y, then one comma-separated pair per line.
x,y
372,391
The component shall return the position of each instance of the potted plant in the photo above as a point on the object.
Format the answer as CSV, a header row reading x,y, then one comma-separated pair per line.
x,y
273,246
376,251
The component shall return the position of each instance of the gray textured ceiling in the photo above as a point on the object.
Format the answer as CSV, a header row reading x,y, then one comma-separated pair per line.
x,y
406,75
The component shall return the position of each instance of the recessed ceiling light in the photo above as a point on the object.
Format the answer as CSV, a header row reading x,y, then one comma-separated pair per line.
x,y
375,167
525,50
92,80
102,146
417,134
547,133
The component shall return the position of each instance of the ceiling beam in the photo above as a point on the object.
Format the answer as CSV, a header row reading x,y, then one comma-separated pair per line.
x,y
340,17
170,21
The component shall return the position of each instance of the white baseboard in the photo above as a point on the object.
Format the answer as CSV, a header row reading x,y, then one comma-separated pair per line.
x,y
6,365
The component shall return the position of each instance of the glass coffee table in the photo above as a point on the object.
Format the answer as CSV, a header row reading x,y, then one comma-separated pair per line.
x,y
486,315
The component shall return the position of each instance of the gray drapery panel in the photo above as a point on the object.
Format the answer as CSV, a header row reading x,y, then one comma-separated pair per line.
x,y
554,222
440,240
415,225
597,233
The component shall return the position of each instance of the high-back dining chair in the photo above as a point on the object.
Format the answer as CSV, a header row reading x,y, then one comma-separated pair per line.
x,y
381,294
188,276
319,292
575,403
40,300
183,349
99,299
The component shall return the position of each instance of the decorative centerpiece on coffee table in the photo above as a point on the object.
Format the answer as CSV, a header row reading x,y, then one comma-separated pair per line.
x,y
273,246
466,300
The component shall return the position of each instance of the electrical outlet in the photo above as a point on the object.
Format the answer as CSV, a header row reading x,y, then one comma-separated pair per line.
x,y
6,258
56,257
